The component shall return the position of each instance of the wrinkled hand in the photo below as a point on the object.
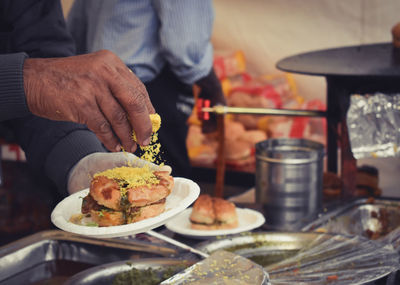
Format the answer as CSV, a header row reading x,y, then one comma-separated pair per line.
x,y
95,89
210,89
82,173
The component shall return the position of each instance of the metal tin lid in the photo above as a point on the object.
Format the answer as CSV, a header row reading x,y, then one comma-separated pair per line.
x,y
289,151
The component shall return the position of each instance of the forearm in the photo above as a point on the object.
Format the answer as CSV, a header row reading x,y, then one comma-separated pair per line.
x,y
211,89
209,85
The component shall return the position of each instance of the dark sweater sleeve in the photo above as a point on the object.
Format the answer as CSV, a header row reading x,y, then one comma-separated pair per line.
x,y
12,94
54,147
36,28
66,153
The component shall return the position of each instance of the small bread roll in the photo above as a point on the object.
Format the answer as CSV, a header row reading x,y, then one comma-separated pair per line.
x,y
225,213
213,214
203,212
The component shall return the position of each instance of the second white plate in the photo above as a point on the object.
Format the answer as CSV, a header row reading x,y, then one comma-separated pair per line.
x,y
248,220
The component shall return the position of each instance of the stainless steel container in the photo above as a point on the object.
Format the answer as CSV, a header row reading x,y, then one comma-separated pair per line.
x,y
377,219
289,181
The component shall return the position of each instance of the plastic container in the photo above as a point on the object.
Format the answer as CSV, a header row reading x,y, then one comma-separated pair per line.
x,y
289,176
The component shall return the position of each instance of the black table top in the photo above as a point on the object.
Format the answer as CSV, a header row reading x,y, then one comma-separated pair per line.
x,y
379,60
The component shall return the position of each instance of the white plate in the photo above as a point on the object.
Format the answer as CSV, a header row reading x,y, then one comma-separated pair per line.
x,y
184,193
248,220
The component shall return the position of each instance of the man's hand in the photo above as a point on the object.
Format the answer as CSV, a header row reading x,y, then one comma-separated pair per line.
x,y
210,89
82,173
95,89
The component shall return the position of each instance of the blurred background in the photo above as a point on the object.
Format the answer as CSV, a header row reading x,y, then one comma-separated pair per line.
x,y
258,33
249,38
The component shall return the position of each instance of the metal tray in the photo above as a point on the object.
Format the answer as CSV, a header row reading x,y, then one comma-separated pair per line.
x,y
277,246
371,218
51,257
311,257
105,274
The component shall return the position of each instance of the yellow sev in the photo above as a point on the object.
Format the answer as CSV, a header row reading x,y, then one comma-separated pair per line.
x,y
155,125
132,176
129,176
151,151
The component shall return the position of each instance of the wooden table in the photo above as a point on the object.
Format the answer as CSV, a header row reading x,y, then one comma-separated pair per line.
x,y
362,69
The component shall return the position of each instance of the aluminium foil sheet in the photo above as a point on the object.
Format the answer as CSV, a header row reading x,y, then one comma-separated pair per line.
x,y
314,258
377,219
51,257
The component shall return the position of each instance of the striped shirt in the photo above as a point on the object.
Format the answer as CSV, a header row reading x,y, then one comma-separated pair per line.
x,y
148,34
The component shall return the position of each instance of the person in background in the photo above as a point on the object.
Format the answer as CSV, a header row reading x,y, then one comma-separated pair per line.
x,y
60,108
166,43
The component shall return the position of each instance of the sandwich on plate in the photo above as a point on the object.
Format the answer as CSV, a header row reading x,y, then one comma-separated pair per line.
x,y
212,213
